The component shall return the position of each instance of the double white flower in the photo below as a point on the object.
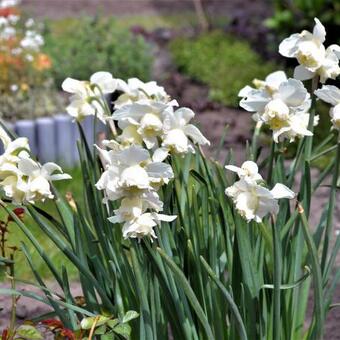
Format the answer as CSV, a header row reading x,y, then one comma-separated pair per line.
x,y
252,200
146,114
331,94
134,90
280,103
132,176
88,96
23,179
313,57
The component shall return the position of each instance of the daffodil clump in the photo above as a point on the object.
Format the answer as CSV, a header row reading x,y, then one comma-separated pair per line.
x,y
150,128
24,180
239,260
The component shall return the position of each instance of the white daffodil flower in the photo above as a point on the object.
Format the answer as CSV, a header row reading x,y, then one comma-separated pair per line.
x,y
135,90
12,183
284,111
38,178
331,94
254,202
143,225
178,134
130,136
87,98
14,150
131,172
147,118
290,91
255,99
284,123
132,207
311,54
248,170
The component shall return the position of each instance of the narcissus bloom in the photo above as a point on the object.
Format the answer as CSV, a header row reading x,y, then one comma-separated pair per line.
x,y
331,94
134,90
131,172
147,119
21,178
178,134
284,109
131,175
252,200
87,98
38,179
313,57
143,225
248,170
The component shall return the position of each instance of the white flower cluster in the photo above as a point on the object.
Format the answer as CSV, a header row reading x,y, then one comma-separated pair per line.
x,y
150,129
150,125
310,52
132,177
280,103
331,94
252,199
88,96
146,114
23,179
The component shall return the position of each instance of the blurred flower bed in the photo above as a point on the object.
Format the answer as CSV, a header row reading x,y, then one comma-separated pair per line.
x,y
25,86
35,58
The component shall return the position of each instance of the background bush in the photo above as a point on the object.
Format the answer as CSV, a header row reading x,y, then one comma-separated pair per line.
x,y
220,61
81,46
297,15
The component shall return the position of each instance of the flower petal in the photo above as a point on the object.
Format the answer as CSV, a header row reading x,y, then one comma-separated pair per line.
x,y
195,134
319,31
301,73
281,191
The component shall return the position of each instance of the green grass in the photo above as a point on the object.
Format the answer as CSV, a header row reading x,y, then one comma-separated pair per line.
x,y
16,236
224,63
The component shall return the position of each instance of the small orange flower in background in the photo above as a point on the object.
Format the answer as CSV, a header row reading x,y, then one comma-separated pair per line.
x,y
42,62
7,11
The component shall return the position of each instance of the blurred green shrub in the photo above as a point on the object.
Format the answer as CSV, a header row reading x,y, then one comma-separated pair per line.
x,y
81,46
296,15
222,62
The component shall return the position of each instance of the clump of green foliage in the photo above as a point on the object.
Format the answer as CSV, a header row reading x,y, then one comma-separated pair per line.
x,y
294,16
81,46
222,62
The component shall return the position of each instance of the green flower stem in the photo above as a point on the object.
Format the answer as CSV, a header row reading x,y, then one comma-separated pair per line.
x,y
319,316
271,163
329,221
14,297
309,139
277,282
322,153
256,134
